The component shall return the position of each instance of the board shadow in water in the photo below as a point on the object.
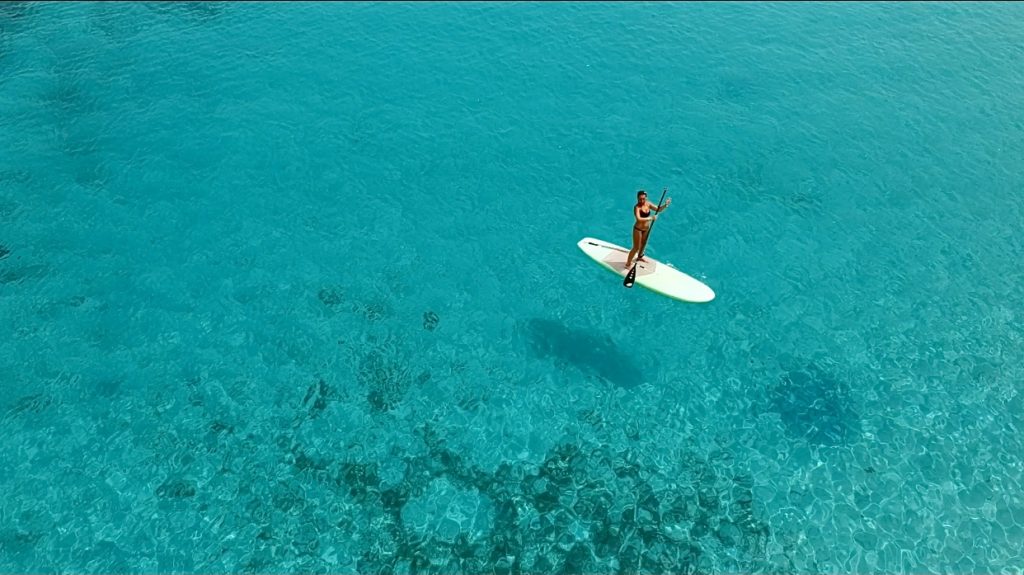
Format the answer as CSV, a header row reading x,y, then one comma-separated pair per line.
x,y
591,353
816,405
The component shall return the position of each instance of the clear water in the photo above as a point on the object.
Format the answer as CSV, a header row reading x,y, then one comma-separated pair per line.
x,y
295,288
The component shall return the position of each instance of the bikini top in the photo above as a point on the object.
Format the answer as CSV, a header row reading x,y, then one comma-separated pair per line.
x,y
644,214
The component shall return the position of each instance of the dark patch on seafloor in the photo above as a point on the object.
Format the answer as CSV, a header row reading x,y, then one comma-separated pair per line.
x,y
333,297
386,379
430,320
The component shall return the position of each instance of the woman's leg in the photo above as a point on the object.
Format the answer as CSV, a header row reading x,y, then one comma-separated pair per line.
x,y
638,240
643,247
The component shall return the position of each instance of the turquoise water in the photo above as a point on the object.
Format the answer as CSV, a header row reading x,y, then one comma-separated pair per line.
x,y
295,288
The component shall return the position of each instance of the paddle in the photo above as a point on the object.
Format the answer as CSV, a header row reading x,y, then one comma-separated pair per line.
x,y
631,276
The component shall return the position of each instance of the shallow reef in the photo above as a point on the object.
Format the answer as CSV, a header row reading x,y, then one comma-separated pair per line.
x,y
586,509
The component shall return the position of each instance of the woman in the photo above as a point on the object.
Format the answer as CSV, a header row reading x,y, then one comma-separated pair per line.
x,y
644,219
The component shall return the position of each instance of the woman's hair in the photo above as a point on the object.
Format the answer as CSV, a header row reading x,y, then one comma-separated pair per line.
x,y
640,193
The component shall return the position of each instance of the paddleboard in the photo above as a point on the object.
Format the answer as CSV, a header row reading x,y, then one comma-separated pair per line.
x,y
654,275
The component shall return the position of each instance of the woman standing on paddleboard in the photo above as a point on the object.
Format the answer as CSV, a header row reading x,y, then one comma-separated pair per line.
x,y
642,227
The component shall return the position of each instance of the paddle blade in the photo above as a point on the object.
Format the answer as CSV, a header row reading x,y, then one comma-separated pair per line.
x,y
630,277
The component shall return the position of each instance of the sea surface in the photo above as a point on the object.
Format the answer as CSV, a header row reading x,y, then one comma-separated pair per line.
x,y
295,288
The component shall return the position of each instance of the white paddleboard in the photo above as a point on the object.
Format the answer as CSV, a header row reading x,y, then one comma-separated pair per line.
x,y
650,273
